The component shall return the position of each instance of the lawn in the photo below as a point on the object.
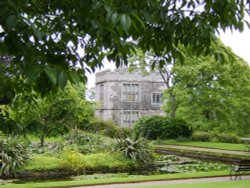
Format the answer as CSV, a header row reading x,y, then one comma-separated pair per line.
x,y
117,180
217,145
228,184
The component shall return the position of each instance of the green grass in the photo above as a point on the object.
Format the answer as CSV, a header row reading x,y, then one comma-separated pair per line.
x,y
42,163
216,145
117,180
228,184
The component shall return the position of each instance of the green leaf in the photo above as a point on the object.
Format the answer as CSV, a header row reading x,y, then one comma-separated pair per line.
x,y
32,73
125,22
114,18
73,77
11,21
62,80
37,33
51,73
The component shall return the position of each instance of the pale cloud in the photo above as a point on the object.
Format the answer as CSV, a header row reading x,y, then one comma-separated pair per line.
x,y
239,42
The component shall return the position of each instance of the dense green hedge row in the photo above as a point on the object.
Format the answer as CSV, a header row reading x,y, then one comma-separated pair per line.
x,y
215,137
160,127
107,128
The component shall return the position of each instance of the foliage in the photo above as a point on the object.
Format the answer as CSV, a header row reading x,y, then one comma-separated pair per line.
x,y
72,160
53,115
153,127
208,95
176,164
86,142
49,148
108,162
104,176
211,96
202,167
108,128
228,138
42,38
215,137
13,154
136,149
42,163
201,136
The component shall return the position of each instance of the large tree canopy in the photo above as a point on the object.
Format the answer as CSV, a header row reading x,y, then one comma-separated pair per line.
x,y
52,115
207,94
42,37
210,96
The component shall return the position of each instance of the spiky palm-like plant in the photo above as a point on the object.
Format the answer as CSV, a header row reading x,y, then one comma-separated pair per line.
x,y
13,154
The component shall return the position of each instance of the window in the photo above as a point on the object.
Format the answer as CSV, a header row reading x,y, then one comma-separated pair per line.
x,y
130,92
101,92
129,117
157,98
101,114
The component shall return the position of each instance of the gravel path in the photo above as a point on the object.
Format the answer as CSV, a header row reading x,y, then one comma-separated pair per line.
x,y
165,182
205,149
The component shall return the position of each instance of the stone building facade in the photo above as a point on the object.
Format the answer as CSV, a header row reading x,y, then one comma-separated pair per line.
x,y
126,96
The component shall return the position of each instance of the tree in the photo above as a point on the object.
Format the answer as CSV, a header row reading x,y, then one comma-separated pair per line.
x,y
54,114
201,90
43,37
210,95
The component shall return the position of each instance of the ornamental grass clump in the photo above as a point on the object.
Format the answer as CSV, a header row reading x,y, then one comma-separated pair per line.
x,y
136,149
86,143
13,154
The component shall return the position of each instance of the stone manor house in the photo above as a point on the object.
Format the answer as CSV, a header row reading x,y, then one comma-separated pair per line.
x,y
126,96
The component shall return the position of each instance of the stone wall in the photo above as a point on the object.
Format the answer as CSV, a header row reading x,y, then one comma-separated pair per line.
x,y
111,103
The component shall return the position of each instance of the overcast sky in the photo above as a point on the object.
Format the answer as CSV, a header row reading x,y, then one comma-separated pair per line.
x,y
239,43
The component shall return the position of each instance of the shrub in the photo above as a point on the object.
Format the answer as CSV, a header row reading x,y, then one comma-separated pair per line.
x,y
215,137
107,162
51,148
136,149
175,128
201,136
150,127
72,160
85,142
107,128
42,163
228,138
159,127
13,154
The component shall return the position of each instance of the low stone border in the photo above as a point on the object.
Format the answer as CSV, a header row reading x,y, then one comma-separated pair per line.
x,y
210,156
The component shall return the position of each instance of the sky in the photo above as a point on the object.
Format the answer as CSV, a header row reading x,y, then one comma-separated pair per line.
x,y
239,43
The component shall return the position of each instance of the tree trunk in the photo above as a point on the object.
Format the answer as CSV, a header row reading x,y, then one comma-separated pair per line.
x,y
42,140
173,105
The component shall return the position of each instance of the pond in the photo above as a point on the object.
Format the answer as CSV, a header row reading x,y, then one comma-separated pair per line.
x,y
177,164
